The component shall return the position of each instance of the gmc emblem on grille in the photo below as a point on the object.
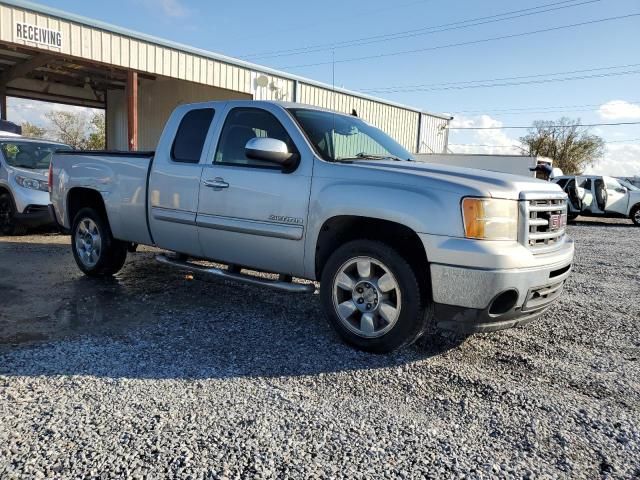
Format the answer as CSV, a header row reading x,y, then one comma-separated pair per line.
x,y
556,221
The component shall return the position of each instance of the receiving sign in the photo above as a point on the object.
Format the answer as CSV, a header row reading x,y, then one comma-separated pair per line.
x,y
41,35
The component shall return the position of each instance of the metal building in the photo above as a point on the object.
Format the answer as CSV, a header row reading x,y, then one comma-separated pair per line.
x,y
47,54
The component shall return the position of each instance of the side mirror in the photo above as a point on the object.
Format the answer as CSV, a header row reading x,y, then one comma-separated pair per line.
x,y
621,190
269,150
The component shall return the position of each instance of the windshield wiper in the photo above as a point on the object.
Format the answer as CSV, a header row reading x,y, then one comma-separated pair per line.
x,y
369,156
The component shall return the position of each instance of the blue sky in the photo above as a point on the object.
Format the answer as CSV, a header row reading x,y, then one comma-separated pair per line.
x,y
243,29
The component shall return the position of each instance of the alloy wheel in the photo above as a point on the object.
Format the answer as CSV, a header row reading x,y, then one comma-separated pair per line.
x,y
366,297
88,242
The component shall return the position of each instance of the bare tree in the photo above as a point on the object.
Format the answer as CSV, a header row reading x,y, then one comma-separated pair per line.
x,y
571,147
68,127
33,131
78,129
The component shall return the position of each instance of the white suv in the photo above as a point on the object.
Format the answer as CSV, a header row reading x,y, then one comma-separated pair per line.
x,y
598,196
24,189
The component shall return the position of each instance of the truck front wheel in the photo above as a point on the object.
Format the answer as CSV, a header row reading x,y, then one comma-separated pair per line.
x,y
373,298
95,250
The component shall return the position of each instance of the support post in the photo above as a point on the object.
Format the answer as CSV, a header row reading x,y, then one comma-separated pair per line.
x,y
3,102
132,109
419,132
296,91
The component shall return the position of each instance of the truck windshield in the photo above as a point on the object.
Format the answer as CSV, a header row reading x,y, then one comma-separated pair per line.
x,y
32,155
337,137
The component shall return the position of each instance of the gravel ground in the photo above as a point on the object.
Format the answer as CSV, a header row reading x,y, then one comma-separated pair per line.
x,y
153,374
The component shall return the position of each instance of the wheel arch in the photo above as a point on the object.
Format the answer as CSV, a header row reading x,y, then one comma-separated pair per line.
x,y
340,229
5,189
81,197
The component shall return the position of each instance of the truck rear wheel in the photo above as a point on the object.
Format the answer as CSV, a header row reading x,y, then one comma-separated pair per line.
x,y
373,298
95,250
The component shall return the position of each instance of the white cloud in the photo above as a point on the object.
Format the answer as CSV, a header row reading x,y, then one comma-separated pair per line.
x,y
493,141
620,160
170,8
619,110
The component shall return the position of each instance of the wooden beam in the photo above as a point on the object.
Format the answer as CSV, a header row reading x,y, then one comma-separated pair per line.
x,y
132,109
19,70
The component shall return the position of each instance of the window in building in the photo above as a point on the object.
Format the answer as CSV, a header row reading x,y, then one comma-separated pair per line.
x,y
191,135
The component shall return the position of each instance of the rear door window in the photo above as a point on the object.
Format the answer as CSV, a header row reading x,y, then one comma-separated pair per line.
x,y
191,135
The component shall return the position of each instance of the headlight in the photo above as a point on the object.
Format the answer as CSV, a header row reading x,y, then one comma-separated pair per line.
x,y
32,183
490,218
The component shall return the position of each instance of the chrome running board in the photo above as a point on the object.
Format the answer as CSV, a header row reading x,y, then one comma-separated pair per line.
x,y
239,277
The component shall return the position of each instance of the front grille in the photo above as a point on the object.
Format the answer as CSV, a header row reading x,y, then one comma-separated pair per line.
x,y
546,220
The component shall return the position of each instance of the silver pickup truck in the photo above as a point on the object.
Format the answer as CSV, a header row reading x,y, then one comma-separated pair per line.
x,y
398,246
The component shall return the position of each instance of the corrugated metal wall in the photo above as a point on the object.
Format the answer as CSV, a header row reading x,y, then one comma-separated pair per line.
x,y
434,135
156,101
116,120
97,45
112,48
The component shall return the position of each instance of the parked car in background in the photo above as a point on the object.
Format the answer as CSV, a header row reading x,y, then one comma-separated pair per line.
x,y
399,246
600,196
24,189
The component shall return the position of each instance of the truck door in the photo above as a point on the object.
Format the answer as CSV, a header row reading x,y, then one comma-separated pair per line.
x,y
174,181
252,213
617,197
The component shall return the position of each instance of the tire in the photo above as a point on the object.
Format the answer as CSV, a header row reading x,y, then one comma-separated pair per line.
x,y
634,215
379,308
95,250
8,224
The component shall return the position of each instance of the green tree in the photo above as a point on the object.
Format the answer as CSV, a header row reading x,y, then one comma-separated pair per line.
x,y
33,131
572,148
97,135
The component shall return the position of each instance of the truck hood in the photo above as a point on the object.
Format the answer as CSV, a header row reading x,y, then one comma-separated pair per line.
x,y
467,181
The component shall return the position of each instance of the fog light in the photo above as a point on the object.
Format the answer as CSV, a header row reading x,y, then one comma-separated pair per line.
x,y
503,302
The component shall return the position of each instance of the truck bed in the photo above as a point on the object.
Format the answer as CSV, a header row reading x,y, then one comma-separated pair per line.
x,y
121,179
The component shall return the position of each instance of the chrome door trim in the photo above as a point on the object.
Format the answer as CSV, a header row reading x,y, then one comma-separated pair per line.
x,y
175,216
250,227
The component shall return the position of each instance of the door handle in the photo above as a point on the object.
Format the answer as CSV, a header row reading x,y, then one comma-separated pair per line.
x,y
216,183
